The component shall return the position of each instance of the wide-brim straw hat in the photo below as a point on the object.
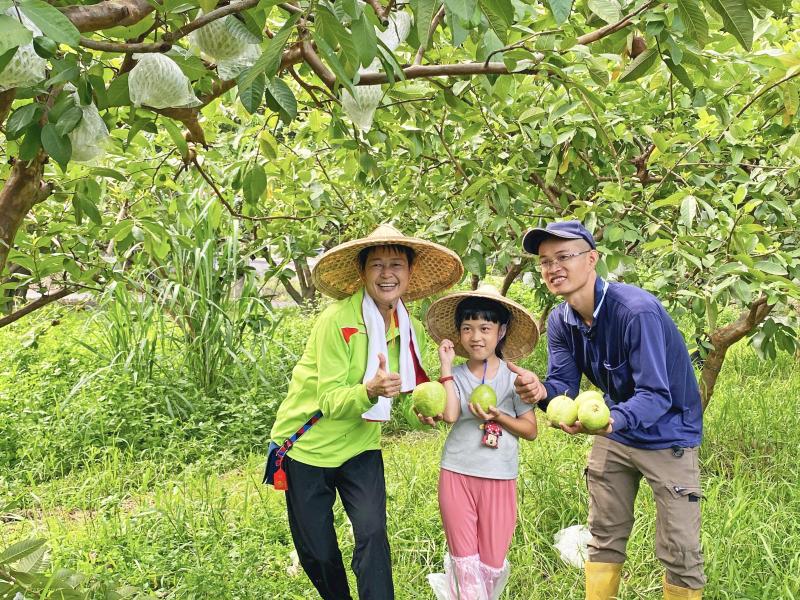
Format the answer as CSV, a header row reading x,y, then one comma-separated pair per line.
x,y
521,336
435,268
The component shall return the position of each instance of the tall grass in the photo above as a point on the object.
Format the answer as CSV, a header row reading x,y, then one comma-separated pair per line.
x,y
173,505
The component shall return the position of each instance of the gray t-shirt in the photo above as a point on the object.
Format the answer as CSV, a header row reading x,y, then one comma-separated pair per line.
x,y
464,451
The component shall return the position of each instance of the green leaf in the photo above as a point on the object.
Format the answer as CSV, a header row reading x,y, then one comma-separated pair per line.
x,y
13,33
254,184
737,19
694,20
561,10
500,14
463,9
21,118
335,34
6,57
117,92
177,137
608,10
423,15
281,99
69,120
252,95
56,145
640,66
110,173
270,60
333,62
20,550
680,73
53,23
688,210
83,203
773,268
365,40
31,143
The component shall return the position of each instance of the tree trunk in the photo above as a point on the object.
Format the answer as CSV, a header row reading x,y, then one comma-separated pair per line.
x,y
541,322
723,338
512,273
307,287
22,189
475,281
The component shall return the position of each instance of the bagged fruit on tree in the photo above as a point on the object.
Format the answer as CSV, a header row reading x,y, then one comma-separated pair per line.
x,y
157,81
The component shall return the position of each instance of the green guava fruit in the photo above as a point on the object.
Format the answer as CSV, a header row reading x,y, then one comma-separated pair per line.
x,y
594,415
429,398
484,396
589,395
562,409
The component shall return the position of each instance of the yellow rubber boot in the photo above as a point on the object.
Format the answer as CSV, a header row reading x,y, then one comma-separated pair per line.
x,y
602,580
676,592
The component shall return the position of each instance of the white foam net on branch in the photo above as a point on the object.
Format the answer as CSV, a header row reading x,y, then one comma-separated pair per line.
x,y
26,68
157,81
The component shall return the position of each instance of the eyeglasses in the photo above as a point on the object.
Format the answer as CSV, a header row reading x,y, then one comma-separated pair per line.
x,y
551,263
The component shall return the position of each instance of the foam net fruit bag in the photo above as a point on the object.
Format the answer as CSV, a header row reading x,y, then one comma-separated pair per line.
x,y
26,68
157,81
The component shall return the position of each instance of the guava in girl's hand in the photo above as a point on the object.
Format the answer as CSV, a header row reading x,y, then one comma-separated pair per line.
x,y
484,396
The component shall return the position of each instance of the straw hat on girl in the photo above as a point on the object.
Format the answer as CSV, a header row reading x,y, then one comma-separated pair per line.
x,y
435,267
522,331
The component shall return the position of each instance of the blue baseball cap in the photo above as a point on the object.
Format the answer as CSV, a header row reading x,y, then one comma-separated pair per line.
x,y
566,230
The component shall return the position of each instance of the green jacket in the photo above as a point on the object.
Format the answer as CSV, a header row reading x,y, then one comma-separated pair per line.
x,y
329,377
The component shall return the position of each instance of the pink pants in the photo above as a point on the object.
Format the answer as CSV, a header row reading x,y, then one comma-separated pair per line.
x,y
479,516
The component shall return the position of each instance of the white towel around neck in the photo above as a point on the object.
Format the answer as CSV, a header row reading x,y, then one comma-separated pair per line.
x,y
376,334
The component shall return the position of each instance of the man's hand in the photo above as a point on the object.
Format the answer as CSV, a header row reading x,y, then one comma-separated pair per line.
x,y
527,385
579,428
384,383
429,420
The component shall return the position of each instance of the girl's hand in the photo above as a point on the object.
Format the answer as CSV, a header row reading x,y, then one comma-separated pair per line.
x,y
490,415
447,354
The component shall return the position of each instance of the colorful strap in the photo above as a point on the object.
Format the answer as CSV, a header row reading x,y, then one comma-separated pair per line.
x,y
290,442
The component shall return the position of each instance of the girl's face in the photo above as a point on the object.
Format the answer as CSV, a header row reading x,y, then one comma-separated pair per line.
x,y
480,338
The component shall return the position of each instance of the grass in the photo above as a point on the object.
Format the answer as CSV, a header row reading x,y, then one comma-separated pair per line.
x,y
125,492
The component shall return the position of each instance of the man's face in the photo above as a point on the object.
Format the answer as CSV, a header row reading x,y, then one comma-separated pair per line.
x,y
566,265
386,275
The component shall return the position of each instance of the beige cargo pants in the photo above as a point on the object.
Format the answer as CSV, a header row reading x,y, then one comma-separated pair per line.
x,y
613,477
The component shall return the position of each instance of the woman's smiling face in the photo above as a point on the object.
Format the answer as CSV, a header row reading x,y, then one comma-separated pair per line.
x,y
386,275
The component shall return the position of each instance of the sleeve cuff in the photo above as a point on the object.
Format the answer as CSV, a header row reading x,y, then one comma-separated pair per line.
x,y
620,421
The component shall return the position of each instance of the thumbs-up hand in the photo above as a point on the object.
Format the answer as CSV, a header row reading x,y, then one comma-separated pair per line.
x,y
384,383
527,384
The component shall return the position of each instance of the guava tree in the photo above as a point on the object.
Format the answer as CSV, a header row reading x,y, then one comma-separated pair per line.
x,y
672,126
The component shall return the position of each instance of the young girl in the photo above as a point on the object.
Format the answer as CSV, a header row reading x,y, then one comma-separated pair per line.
x,y
477,483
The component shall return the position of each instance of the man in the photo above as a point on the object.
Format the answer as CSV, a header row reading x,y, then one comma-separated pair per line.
x,y
621,338
363,350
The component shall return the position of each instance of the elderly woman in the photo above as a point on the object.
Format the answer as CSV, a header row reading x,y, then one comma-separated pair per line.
x,y
363,351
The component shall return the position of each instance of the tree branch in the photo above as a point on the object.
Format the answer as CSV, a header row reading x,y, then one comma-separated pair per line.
x,y
318,67
171,37
607,30
110,13
434,24
380,11
35,305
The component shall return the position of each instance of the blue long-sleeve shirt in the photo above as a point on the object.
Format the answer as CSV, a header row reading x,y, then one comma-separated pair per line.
x,y
635,354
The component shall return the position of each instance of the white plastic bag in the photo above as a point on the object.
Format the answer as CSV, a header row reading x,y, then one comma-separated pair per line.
x,y
467,578
360,108
90,137
572,544
26,68
157,81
